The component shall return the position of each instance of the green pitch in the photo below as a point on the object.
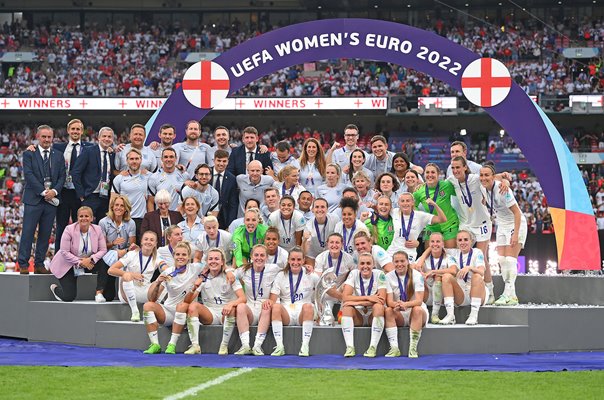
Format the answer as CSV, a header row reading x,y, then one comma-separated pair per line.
x,y
276,384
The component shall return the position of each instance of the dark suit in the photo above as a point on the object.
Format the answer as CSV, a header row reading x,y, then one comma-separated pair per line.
x,y
238,160
229,199
86,176
39,213
69,201
152,222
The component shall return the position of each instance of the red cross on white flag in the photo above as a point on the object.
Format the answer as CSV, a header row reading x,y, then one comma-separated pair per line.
x,y
486,82
205,84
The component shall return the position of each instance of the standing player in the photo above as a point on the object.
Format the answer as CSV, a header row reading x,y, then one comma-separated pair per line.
x,y
220,301
363,301
294,287
511,231
256,279
467,286
405,302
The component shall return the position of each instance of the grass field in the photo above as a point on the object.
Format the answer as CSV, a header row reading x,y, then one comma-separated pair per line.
x,y
275,384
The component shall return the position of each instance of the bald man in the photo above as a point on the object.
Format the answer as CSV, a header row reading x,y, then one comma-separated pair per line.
x,y
252,184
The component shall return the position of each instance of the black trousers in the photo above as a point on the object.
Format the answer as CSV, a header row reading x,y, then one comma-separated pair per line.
x,y
68,286
68,207
99,206
139,223
104,281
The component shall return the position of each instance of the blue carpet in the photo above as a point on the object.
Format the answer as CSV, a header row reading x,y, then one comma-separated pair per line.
x,y
18,352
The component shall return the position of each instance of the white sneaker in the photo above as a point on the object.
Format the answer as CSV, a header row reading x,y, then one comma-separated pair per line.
x,y
472,319
99,298
136,316
53,287
491,298
448,320
257,351
223,350
304,351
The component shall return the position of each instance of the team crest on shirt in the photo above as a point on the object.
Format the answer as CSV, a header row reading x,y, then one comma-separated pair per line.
x,y
224,287
382,277
390,228
441,193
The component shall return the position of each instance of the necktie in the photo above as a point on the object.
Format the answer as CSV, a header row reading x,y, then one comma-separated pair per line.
x,y
74,155
105,165
217,184
46,163
250,157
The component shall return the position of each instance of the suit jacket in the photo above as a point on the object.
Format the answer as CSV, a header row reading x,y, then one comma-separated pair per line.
x,y
238,160
229,199
67,257
86,173
33,170
152,221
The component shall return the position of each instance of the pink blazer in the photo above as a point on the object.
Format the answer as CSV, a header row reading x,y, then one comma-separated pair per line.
x,y
67,257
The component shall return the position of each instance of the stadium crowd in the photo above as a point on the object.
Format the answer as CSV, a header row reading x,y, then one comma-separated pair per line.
x,y
145,60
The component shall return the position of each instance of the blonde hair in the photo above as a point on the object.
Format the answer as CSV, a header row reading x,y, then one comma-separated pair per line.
x,y
222,256
249,265
187,246
127,206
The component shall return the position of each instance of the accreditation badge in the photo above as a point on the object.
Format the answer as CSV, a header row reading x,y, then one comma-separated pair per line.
x,y
104,190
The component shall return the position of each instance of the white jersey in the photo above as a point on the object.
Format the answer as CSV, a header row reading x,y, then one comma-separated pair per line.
x,y
369,288
132,263
223,241
473,166
319,234
380,257
434,264
348,234
164,253
470,209
257,289
461,260
396,282
179,285
324,263
404,224
302,293
287,228
499,204
216,292
293,192
279,258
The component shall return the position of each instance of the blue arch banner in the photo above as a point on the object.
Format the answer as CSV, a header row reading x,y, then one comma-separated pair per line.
x,y
525,122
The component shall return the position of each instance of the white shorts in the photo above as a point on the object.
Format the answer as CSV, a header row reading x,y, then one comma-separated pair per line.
x,y
466,286
407,315
169,311
216,315
504,234
140,291
294,311
482,233
365,312
256,309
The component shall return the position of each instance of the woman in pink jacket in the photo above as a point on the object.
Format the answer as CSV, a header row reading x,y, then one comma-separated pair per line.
x,y
82,245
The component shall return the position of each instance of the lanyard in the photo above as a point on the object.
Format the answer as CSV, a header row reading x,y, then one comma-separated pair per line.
x,y
171,250
287,232
247,238
492,197
402,288
467,200
405,232
431,208
347,242
311,167
290,190
321,242
217,239
363,285
330,262
177,271
140,260
85,242
254,281
440,261
293,291
276,256
468,260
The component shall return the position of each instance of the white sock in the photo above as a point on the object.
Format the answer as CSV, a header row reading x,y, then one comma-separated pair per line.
x,y
227,329
414,337
392,335
174,338
149,318
512,265
377,327
130,295
503,266
475,304
259,340
489,286
153,337
348,331
193,328
437,297
306,331
449,305
278,332
245,339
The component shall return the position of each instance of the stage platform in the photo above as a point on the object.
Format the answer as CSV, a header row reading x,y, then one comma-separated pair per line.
x,y
575,312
